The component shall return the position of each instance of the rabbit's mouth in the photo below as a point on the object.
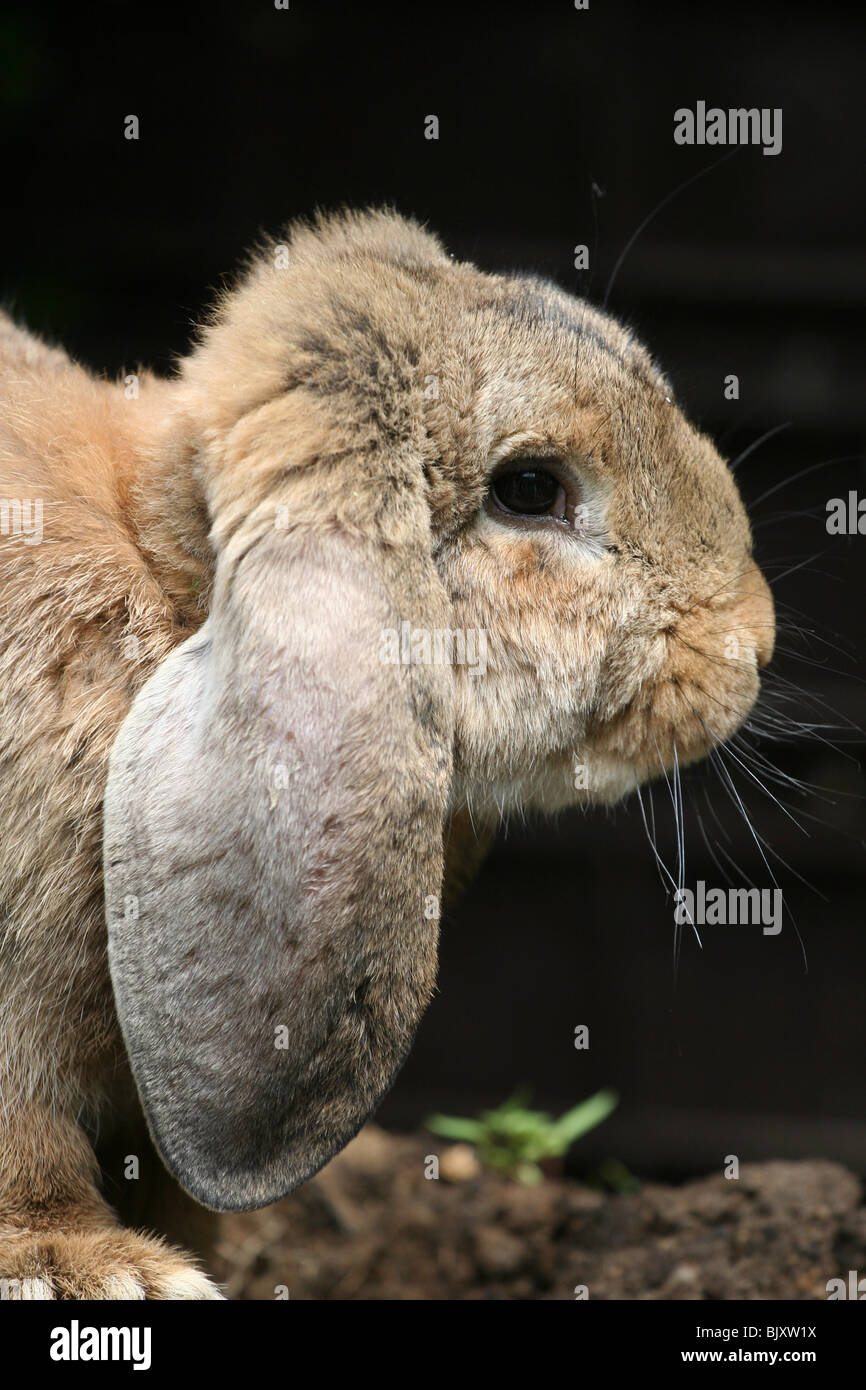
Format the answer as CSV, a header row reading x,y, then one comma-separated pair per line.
x,y
705,683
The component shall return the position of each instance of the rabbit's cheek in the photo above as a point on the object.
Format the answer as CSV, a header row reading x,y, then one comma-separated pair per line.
x,y
520,730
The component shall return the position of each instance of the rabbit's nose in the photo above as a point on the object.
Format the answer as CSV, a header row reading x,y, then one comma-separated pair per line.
x,y
759,613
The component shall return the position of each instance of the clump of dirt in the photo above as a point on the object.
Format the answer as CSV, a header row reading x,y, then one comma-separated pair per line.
x,y
373,1226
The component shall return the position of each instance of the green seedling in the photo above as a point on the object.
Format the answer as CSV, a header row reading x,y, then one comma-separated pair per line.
x,y
613,1175
515,1140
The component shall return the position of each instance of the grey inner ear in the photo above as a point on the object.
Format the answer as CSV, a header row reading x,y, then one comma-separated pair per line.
x,y
273,835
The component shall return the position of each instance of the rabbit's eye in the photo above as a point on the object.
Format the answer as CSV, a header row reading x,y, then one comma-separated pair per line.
x,y
529,492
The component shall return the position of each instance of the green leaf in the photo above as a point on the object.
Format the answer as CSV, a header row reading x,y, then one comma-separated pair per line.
x,y
614,1174
454,1127
584,1117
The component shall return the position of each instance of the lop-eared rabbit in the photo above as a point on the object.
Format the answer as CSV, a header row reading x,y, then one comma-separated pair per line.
x,y
245,756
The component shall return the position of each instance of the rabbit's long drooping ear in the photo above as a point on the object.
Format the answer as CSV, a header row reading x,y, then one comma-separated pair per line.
x,y
273,856
276,796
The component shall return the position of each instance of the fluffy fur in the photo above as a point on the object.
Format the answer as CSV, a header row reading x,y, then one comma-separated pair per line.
x,y
219,556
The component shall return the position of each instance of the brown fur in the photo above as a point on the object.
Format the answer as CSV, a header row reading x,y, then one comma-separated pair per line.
x,y
611,650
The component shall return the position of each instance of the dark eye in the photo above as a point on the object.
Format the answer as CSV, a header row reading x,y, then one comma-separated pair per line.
x,y
529,491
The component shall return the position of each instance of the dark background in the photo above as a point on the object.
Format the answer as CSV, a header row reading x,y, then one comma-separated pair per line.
x,y
250,116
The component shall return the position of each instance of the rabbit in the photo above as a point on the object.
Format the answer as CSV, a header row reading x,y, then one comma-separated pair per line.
x,y
241,773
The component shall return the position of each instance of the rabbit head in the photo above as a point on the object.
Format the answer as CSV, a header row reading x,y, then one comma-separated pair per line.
x,y
465,543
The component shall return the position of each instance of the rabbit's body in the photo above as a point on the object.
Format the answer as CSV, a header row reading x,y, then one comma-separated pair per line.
x,y
66,683
338,427
66,687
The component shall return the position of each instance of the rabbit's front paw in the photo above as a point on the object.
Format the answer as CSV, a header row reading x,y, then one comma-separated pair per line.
x,y
104,1264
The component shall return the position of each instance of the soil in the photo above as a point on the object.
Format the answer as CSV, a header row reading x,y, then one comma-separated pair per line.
x,y
372,1226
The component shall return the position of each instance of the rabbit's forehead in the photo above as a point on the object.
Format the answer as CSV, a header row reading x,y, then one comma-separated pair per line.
x,y
550,315
527,368
563,321
542,362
